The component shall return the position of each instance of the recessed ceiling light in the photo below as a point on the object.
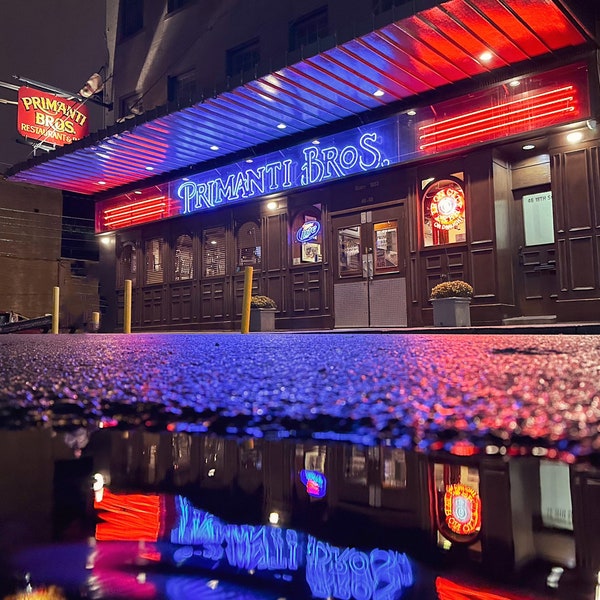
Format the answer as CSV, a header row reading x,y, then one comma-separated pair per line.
x,y
214,147
316,142
514,83
281,126
412,112
149,168
137,192
102,183
528,146
486,56
249,160
574,137
378,93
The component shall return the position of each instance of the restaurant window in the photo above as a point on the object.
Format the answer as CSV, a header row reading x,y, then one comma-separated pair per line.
x,y
182,88
154,261
132,16
356,465
127,264
308,29
307,236
444,220
385,242
393,474
214,252
184,258
243,58
349,251
248,245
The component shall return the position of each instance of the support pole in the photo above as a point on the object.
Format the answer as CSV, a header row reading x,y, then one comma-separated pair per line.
x,y
95,321
127,307
247,298
55,308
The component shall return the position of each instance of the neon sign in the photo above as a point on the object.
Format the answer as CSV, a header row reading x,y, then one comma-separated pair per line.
x,y
462,508
448,208
334,157
315,482
309,231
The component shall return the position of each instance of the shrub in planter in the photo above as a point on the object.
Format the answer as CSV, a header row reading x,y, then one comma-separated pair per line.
x,y
262,313
262,302
452,304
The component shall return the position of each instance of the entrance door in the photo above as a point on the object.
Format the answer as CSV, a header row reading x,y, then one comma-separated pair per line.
x,y
537,283
369,268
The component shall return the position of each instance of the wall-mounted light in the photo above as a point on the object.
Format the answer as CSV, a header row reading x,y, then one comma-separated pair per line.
x,y
528,147
574,137
272,205
411,113
486,56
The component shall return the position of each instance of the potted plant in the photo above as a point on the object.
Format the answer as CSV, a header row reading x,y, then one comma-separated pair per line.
x,y
452,304
262,313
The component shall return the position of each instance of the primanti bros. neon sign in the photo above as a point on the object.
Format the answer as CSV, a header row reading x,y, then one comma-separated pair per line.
x,y
544,100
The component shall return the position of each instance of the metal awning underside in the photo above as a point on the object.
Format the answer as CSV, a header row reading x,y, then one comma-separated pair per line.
x,y
433,48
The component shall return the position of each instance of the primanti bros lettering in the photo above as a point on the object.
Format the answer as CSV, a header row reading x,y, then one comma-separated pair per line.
x,y
50,118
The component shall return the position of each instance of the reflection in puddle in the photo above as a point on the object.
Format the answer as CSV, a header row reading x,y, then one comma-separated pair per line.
x,y
176,515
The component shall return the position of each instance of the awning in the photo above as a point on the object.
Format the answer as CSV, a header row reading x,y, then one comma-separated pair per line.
x,y
458,40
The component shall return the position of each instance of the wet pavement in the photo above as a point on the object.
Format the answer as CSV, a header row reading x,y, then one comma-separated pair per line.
x,y
206,421
515,391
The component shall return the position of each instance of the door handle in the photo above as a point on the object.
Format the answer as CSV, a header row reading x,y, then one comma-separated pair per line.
x,y
521,256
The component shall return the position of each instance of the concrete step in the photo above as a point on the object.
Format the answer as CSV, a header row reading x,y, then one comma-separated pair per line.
x,y
532,320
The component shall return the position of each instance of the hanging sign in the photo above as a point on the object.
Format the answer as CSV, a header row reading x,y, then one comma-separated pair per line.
x,y
448,208
315,482
50,118
462,509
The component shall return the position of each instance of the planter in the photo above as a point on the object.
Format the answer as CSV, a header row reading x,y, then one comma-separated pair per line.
x,y
262,319
451,312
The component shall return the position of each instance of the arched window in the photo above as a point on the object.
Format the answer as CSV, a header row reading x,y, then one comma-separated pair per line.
x,y
248,245
444,220
214,252
307,236
127,264
154,261
183,268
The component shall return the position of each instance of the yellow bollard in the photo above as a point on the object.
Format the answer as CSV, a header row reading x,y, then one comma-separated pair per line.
x,y
55,308
127,307
95,321
247,298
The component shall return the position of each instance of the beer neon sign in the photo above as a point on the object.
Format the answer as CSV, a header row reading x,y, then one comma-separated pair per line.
x,y
448,208
308,232
462,509
315,482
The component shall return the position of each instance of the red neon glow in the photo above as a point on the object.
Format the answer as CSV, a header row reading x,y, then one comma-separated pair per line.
x,y
509,118
462,508
449,590
447,208
134,213
129,517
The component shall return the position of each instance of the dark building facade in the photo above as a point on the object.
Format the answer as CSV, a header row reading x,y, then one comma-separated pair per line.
x,y
453,140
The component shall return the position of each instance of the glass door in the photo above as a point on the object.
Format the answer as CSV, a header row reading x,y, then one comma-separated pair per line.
x,y
369,278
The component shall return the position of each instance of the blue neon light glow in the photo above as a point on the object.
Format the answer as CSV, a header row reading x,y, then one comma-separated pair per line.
x,y
329,571
315,482
348,153
309,231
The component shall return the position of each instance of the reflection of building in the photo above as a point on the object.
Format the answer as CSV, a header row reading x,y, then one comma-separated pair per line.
x,y
440,141
508,518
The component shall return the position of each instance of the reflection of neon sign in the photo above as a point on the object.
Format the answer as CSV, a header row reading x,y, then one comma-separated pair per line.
x,y
448,208
330,571
309,231
315,482
462,508
337,156
333,572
